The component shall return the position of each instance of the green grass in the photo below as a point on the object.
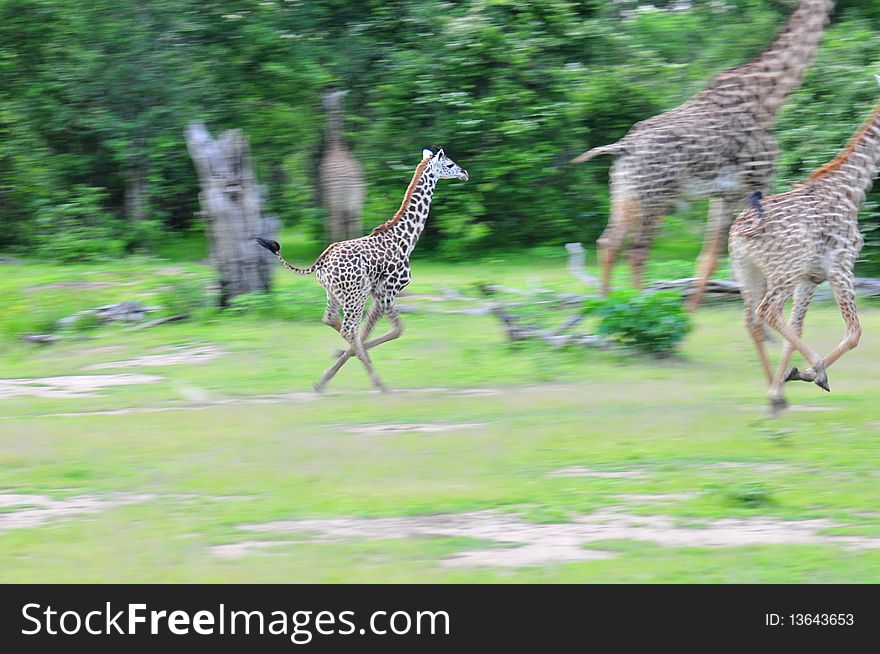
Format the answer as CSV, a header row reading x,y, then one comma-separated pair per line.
x,y
214,461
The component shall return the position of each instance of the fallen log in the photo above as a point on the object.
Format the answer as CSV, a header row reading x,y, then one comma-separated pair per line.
x,y
159,321
556,339
724,289
41,339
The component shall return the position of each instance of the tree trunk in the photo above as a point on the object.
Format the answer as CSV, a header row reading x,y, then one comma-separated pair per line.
x,y
136,199
231,202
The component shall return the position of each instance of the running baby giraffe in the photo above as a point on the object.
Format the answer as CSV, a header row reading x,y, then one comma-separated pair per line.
x,y
375,265
785,245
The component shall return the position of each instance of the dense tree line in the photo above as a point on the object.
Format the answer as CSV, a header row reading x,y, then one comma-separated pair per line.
x,y
94,99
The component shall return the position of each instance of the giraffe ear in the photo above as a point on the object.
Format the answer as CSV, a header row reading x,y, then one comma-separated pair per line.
x,y
426,153
877,77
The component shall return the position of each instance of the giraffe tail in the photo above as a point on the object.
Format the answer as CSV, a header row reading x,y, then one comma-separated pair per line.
x,y
611,148
275,248
754,202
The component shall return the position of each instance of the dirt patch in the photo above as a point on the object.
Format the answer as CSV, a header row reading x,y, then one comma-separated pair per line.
x,y
198,398
37,510
174,357
206,404
432,428
454,392
244,548
69,387
578,471
538,544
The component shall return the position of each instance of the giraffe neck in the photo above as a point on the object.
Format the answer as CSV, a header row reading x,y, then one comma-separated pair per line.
x,y
855,166
777,72
408,223
333,132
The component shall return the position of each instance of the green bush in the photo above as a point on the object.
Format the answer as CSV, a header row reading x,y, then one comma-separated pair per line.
x,y
79,229
652,322
300,302
85,323
183,297
750,495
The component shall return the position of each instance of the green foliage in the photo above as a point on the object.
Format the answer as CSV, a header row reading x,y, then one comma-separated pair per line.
x,y
654,322
750,495
183,297
79,228
97,95
292,303
84,323
32,311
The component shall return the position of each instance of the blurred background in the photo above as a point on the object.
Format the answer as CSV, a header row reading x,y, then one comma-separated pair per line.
x,y
96,98
537,434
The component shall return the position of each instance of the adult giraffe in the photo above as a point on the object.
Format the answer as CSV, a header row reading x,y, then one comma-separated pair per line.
x,y
342,179
718,145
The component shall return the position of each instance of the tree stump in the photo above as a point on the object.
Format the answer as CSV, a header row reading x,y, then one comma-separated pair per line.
x,y
231,201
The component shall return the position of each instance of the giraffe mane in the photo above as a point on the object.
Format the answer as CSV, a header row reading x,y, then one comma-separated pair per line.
x,y
420,169
844,154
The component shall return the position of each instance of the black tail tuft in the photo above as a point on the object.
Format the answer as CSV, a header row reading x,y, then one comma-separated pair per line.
x,y
272,246
754,201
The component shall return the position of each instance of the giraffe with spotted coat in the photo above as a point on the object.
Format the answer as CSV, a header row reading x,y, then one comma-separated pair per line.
x,y
784,245
375,266
718,145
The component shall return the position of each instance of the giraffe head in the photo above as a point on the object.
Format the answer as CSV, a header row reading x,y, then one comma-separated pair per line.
x,y
443,166
333,99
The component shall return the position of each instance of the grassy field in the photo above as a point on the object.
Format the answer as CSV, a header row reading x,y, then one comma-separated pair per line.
x,y
489,463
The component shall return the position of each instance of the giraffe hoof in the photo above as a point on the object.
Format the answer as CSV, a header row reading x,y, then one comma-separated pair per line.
x,y
319,387
777,405
821,381
795,375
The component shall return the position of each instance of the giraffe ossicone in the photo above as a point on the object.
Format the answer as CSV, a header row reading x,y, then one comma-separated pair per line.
x,y
375,266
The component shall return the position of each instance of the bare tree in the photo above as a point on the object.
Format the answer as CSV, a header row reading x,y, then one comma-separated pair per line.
x,y
231,201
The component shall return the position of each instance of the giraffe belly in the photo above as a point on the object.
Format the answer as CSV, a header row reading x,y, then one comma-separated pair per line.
x,y
726,182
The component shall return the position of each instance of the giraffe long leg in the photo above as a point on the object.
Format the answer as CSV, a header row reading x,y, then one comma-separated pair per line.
x,y
331,313
844,293
353,311
396,326
754,287
770,310
373,315
368,364
332,232
624,210
332,370
717,226
803,294
396,330
641,245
